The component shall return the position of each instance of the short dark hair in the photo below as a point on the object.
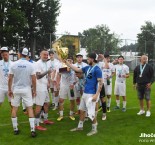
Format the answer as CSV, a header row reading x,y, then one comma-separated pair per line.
x,y
93,56
106,55
51,52
120,57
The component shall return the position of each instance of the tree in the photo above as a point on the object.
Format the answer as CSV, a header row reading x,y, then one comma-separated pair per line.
x,y
30,21
12,22
146,39
99,40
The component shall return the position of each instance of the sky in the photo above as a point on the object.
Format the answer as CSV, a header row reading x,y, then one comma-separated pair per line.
x,y
124,17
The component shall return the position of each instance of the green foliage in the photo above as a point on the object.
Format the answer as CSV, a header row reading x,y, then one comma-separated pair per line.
x,y
146,39
99,40
28,20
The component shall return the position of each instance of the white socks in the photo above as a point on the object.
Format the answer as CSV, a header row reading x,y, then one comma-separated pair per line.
x,y
118,103
124,104
61,113
14,123
94,126
80,125
32,124
108,102
45,116
71,113
56,101
37,120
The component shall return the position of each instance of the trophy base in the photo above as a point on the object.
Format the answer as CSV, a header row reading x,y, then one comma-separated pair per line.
x,y
64,69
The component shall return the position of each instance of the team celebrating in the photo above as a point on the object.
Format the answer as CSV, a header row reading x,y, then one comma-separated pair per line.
x,y
88,86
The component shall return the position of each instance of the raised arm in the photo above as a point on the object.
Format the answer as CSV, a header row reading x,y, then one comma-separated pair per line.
x,y
73,67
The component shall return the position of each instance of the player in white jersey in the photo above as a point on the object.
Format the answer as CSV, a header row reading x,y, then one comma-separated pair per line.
x,y
108,71
33,63
54,64
79,86
67,83
122,72
43,84
21,76
5,64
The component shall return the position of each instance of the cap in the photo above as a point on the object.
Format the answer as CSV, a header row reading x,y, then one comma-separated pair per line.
x,y
4,49
79,54
25,51
93,55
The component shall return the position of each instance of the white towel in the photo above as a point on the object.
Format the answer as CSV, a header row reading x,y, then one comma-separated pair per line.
x,y
91,108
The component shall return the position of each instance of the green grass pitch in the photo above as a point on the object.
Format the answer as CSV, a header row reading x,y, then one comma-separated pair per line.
x,y
119,129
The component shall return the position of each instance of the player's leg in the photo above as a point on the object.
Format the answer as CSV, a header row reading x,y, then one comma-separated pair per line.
x,y
124,104
140,94
56,99
63,95
46,108
72,105
15,102
83,109
103,103
116,92
109,93
40,99
148,102
61,108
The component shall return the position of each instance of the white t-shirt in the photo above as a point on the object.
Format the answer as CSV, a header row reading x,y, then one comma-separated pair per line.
x,y
4,70
67,79
22,71
106,72
120,71
42,83
80,81
53,64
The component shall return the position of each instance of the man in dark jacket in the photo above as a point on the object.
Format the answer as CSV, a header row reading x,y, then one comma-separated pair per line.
x,y
142,81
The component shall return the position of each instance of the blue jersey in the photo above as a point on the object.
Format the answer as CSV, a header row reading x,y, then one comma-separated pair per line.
x,y
92,73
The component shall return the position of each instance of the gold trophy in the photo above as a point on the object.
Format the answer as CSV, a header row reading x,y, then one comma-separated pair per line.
x,y
63,54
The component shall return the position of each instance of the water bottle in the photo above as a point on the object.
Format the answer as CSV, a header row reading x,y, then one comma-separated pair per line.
x,y
72,92
108,81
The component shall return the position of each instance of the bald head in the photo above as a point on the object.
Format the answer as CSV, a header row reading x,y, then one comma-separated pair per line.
x,y
44,55
144,59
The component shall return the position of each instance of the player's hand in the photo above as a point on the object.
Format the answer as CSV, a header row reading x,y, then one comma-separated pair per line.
x,y
148,86
94,98
124,76
10,94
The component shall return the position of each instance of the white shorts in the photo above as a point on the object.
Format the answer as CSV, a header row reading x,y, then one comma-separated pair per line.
x,y
120,89
41,98
77,92
84,100
26,97
65,92
108,89
3,94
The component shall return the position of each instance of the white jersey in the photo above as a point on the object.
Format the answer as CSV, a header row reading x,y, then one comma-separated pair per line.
x,y
4,70
22,71
54,64
106,73
80,82
67,79
120,71
42,83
